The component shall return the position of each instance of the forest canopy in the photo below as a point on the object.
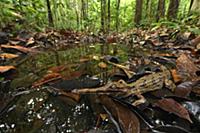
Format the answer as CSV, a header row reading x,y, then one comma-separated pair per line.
x,y
97,15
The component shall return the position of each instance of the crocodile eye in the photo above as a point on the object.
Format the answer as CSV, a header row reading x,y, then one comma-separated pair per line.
x,y
120,81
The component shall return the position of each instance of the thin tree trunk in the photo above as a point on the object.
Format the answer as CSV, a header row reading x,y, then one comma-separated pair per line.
x,y
147,9
84,12
50,18
138,12
117,15
77,16
173,9
108,16
103,7
160,10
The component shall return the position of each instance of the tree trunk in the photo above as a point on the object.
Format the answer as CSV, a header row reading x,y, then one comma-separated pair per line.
x,y
173,9
77,15
103,9
108,16
117,15
50,18
84,6
147,9
138,12
160,10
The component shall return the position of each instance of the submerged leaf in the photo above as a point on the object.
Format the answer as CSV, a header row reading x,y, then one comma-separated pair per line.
x,y
46,79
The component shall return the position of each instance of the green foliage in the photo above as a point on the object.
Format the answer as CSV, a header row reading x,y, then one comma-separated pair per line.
x,y
67,14
187,24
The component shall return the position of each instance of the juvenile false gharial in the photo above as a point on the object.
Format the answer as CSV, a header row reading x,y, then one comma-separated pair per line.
x,y
151,82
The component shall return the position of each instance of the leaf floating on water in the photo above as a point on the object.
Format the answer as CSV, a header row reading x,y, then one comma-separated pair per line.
x,y
125,117
102,65
4,69
47,78
174,107
18,48
8,56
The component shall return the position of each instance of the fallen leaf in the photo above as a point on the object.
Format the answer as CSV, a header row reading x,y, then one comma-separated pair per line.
x,y
73,96
193,108
176,77
8,56
58,69
174,107
128,121
187,35
195,41
82,60
46,79
104,116
184,89
102,65
186,67
18,48
30,41
4,69
196,88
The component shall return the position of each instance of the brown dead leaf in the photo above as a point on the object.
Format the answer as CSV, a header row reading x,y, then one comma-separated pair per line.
x,y
18,48
102,65
176,77
174,107
58,69
71,95
195,41
8,56
166,54
196,88
47,78
4,69
84,59
125,117
186,67
30,41
184,89
72,75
